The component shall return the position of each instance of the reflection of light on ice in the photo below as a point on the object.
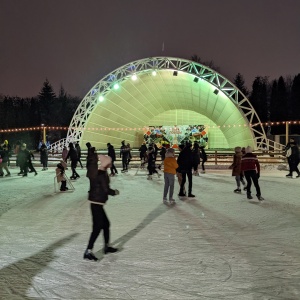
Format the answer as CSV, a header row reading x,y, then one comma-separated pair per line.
x,y
202,215
187,226
169,235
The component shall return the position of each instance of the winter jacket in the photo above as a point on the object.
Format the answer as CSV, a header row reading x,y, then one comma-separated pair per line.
x,y
99,188
92,165
4,155
72,154
170,165
196,156
185,159
111,153
294,157
250,162
236,165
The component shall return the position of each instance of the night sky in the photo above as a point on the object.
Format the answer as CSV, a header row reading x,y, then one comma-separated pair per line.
x,y
75,43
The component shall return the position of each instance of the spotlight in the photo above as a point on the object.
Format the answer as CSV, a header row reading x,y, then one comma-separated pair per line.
x,y
216,91
153,73
134,77
196,79
116,86
175,73
101,98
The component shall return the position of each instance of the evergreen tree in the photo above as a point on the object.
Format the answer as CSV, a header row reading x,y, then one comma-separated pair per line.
x,y
240,84
46,98
259,97
295,98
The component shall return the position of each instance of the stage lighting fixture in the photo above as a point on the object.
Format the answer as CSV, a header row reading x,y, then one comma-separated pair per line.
x,y
116,86
153,73
175,73
101,98
216,91
196,79
134,77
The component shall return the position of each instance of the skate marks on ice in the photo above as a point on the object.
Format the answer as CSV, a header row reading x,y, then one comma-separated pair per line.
x,y
16,279
258,262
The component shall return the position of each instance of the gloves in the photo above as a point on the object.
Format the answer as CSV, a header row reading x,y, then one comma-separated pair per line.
x,y
258,175
117,192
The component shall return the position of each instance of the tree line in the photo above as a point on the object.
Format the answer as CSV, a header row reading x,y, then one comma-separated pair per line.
x,y
46,108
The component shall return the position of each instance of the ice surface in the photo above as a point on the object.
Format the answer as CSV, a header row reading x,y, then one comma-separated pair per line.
x,y
216,246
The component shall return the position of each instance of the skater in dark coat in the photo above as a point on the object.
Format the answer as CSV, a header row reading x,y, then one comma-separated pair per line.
x,y
203,157
124,152
44,156
72,154
24,157
292,154
98,195
185,162
143,153
196,158
78,149
112,154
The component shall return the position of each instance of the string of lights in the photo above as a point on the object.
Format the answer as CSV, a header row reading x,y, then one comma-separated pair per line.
x,y
144,128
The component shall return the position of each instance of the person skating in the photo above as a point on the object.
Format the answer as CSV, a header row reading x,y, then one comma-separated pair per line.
x,y
185,162
24,157
44,156
251,169
60,175
203,157
30,165
292,154
98,195
112,154
124,151
4,159
151,163
170,166
72,154
236,169
196,158
78,149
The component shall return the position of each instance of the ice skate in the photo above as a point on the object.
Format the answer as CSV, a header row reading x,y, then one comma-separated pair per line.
x,y
238,191
203,172
88,254
165,200
191,195
260,198
289,175
149,177
172,201
249,196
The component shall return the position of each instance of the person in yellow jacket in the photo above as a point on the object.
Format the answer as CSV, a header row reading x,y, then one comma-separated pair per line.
x,y
170,166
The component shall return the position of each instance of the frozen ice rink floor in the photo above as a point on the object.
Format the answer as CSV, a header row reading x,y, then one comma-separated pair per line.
x,y
216,246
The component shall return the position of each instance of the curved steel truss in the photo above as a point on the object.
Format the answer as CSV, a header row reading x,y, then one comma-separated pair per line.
x,y
107,83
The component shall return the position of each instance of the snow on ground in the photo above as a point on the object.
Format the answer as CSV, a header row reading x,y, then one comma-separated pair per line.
x,y
217,246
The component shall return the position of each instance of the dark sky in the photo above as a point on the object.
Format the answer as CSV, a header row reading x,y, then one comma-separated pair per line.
x,y
77,42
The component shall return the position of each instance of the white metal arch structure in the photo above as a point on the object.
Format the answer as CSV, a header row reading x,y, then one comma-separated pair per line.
x,y
165,90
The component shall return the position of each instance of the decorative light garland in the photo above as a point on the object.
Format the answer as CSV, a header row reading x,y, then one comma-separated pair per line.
x,y
138,128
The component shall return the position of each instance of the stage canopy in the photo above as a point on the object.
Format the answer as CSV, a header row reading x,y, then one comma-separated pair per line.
x,y
165,91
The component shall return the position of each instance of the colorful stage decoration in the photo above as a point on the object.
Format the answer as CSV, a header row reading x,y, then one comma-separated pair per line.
x,y
172,136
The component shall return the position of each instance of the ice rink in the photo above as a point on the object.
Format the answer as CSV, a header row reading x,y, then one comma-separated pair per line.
x,y
216,246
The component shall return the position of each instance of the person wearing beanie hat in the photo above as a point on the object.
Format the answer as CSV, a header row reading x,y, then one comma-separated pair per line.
x,y
236,169
98,195
170,166
251,169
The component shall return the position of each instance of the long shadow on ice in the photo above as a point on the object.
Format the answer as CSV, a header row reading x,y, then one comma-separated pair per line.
x,y
16,278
